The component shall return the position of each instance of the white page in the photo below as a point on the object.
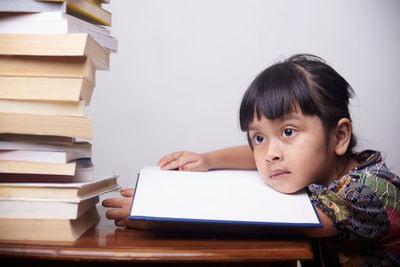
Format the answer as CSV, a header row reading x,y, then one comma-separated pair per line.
x,y
223,195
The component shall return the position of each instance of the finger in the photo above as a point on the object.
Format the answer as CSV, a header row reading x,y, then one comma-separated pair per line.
x,y
117,214
181,162
110,215
169,158
166,159
172,165
129,192
112,203
120,223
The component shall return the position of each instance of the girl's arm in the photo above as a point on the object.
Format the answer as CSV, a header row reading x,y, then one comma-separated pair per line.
x,y
239,157
328,228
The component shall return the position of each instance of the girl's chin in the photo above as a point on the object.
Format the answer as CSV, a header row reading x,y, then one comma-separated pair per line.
x,y
285,189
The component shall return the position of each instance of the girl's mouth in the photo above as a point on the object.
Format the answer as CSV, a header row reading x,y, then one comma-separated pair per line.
x,y
278,174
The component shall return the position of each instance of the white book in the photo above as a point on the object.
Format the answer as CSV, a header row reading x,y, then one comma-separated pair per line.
x,y
44,153
36,208
84,9
54,22
7,17
8,143
224,197
40,156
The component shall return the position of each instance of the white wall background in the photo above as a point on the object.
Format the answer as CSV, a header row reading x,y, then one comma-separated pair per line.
x,y
183,66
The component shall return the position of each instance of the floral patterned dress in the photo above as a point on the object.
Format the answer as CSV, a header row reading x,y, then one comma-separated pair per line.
x,y
365,208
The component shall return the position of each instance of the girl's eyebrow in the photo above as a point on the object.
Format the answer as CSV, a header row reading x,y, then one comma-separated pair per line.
x,y
252,128
293,116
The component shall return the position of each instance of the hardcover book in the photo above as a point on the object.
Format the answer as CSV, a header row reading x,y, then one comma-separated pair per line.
x,y
223,199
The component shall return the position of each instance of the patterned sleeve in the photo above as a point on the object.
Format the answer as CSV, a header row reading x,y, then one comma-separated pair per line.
x,y
356,211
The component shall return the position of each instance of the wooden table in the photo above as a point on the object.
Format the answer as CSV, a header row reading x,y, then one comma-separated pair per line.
x,y
105,245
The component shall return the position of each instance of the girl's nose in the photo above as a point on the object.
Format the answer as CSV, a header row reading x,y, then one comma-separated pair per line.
x,y
273,152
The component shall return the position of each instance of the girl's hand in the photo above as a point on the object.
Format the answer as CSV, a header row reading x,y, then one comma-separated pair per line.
x,y
121,208
184,161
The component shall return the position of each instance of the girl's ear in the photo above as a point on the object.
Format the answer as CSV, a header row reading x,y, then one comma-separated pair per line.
x,y
343,136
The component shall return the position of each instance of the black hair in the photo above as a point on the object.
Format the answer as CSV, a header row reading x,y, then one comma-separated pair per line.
x,y
302,79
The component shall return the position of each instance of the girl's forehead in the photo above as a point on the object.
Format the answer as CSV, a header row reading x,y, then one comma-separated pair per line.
x,y
293,116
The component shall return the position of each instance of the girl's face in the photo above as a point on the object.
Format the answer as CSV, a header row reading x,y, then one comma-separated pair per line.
x,y
291,152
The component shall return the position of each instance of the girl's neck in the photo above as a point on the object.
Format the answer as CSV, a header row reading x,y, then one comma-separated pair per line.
x,y
342,167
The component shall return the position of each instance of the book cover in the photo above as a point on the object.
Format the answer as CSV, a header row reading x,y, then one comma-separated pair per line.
x,y
227,198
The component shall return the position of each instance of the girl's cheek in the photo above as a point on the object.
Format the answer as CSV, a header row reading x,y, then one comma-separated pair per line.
x,y
263,173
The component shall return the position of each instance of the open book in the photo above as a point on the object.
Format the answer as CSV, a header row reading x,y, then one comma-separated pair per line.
x,y
223,198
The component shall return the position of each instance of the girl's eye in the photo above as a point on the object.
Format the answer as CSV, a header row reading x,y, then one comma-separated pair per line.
x,y
288,132
259,139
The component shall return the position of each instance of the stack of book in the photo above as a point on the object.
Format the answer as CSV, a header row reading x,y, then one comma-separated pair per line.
x,y
49,53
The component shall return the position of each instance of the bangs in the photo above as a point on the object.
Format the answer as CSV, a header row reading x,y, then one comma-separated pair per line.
x,y
277,91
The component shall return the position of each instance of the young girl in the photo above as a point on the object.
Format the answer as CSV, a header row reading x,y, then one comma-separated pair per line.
x,y
296,117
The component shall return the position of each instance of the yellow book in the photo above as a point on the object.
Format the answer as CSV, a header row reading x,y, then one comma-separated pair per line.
x,y
55,45
36,208
48,66
60,108
73,191
46,88
25,167
79,127
47,229
83,173
37,139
